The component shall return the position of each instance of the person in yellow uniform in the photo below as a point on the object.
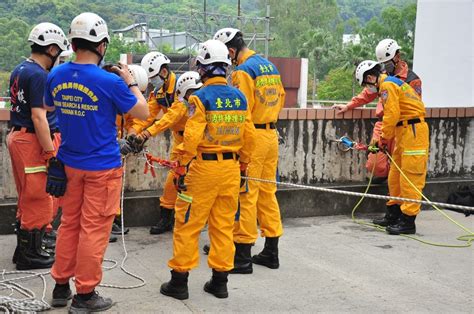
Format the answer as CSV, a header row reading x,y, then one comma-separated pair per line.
x,y
261,84
175,119
161,98
218,135
404,121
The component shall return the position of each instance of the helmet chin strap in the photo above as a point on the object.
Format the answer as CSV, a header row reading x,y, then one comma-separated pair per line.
x,y
53,58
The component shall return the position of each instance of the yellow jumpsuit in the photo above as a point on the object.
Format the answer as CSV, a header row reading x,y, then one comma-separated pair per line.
x,y
260,82
218,132
175,119
403,120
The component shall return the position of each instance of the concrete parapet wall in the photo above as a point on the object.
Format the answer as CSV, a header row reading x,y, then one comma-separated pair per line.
x,y
306,153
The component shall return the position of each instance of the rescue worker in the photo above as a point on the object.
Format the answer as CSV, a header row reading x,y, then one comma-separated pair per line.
x,y
218,135
175,119
124,122
261,84
31,142
87,170
388,53
164,86
403,121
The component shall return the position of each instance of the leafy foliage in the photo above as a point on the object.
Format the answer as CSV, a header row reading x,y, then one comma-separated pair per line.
x,y
300,28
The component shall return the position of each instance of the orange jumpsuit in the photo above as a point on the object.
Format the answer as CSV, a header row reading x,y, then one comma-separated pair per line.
x,y
404,121
380,160
261,84
36,208
218,131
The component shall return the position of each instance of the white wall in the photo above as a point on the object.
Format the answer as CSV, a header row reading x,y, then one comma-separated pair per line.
x,y
303,90
443,56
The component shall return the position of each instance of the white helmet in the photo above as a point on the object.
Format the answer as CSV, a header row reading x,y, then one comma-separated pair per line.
x,y
226,34
363,67
386,50
89,26
153,61
213,51
45,34
140,76
188,80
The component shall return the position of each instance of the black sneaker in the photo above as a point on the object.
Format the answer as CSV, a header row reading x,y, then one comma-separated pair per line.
x,y
94,303
117,230
61,295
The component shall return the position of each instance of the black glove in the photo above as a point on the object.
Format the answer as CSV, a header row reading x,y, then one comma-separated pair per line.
x,y
57,181
125,147
136,143
178,179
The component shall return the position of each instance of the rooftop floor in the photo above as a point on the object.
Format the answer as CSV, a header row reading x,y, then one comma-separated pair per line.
x,y
328,264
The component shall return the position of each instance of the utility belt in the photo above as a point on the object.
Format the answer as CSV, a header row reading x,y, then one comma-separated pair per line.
x,y
218,156
266,126
410,121
30,130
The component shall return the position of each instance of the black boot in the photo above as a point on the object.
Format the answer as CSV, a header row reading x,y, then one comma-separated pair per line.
x,y
177,287
49,240
116,227
166,222
31,254
90,302
217,285
17,249
61,295
391,216
406,225
242,259
269,255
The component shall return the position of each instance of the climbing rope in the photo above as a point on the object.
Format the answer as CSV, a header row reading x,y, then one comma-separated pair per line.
x,y
30,303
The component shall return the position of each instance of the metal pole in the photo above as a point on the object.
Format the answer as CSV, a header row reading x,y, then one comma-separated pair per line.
x,y
205,18
267,30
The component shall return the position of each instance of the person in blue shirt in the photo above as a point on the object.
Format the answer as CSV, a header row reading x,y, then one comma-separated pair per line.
x,y
31,143
87,169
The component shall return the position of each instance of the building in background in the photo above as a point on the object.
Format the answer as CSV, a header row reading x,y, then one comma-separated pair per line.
x,y
443,56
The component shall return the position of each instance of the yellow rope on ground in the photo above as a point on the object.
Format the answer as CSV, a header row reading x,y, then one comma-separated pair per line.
x,y
468,238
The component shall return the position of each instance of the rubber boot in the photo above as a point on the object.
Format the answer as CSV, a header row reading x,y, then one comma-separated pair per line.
x,y
90,302
217,286
166,222
391,216
61,295
49,240
242,259
17,249
177,287
31,254
406,225
269,255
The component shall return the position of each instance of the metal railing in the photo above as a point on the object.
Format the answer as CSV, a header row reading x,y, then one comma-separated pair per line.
x,y
4,102
318,103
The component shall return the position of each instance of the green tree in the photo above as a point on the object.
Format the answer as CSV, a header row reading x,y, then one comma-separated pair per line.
x,y
117,46
338,84
13,42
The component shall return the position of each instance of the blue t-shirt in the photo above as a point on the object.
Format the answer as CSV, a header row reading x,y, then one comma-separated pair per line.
x,y
26,91
87,101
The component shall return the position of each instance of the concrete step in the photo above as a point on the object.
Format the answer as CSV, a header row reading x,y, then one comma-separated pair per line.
x,y
141,208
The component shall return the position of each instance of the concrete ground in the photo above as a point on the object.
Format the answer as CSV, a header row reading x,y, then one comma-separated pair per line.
x,y
328,264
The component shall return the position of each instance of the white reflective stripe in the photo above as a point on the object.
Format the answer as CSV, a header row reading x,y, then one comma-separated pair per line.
x,y
35,169
415,152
